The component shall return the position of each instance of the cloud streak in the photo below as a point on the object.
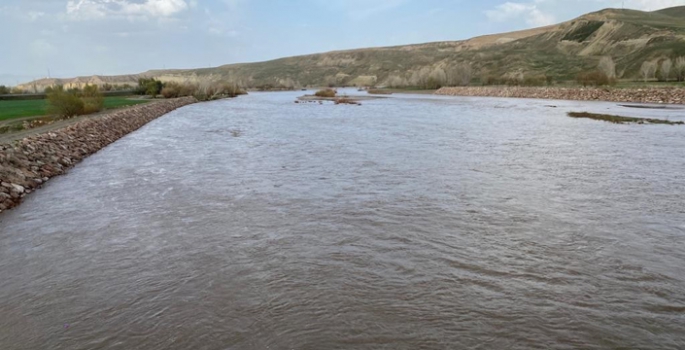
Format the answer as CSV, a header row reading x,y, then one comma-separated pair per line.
x,y
99,9
537,13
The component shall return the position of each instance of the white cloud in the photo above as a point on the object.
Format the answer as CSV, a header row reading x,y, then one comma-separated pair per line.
x,y
516,10
537,13
97,9
651,5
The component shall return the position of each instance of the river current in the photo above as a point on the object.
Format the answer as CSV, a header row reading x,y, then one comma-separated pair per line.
x,y
410,222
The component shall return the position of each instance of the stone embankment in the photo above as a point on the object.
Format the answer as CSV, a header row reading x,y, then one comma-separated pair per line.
x,y
646,95
26,164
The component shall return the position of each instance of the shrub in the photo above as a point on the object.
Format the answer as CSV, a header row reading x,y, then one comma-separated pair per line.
x,y
379,92
396,82
460,75
648,70
535,80
665,71
93,101
607,66
679,68
64,104
149,86
490,80
326,93
594,78
209,90
171,91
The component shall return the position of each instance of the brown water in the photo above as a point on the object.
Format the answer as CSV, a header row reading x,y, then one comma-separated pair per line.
x,y
406,223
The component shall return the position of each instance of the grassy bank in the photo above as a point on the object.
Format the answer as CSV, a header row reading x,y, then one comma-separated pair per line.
x,y
32,108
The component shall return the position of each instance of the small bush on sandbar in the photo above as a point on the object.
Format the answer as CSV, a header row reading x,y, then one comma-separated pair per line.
x,y
379,92
326,93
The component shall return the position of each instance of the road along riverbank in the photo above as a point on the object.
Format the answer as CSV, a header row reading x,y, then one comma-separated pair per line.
x,y
28,163
646,95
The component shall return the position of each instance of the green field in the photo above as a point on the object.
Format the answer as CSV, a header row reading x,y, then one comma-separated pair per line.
x,y
31,108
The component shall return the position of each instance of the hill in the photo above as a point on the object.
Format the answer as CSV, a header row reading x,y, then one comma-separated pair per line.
x,y
559,51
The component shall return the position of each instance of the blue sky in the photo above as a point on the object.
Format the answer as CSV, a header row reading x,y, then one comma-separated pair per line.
x,y
86,37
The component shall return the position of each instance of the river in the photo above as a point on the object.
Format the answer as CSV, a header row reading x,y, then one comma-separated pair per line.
x,y
410,222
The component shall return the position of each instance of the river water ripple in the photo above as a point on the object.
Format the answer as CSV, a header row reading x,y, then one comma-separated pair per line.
x,y
412,222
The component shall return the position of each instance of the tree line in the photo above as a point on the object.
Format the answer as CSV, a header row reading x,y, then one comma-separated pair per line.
x,y
666,70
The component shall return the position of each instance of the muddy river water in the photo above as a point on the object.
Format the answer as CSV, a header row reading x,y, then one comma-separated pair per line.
x,y
411,222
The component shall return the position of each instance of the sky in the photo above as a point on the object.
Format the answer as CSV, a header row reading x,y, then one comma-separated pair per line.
x,y
67,38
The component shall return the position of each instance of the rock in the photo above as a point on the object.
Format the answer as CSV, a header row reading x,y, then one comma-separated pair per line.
x,y
18,188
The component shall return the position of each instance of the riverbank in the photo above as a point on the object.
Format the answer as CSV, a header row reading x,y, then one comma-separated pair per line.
x,y
28,163
646,95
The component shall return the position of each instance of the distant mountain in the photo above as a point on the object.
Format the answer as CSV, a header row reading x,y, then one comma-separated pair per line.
x,y
560,51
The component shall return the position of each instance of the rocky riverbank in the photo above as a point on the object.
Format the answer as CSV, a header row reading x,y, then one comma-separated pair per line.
x,y
647,95
27,163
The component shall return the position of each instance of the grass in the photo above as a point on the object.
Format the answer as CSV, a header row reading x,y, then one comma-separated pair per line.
x,y
32,108
621,120
23,108
116,102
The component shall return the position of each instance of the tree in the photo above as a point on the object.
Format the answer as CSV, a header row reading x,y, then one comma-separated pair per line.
x,y
608,67
4,90
153,88
679,68
436,79
648,70
92,99
594,78
149,86
64,104
395,81
460,75
666,67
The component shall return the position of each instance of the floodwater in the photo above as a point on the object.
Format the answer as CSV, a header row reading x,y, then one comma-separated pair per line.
x,y
411,222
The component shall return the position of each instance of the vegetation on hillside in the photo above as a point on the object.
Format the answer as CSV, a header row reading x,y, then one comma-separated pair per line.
x,y
612,43
584,31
